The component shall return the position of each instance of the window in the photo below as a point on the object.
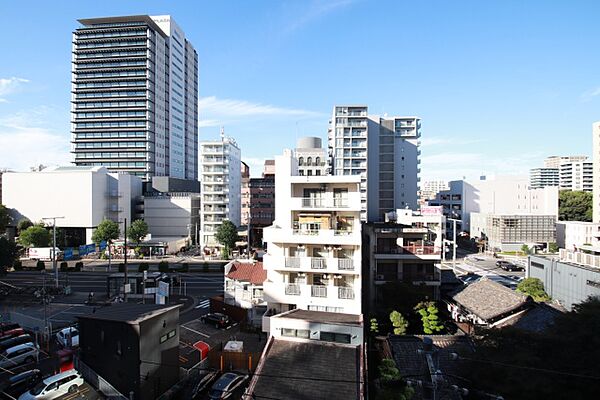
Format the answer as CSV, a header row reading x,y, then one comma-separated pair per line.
x,y
335,337
167,336
301,333
301,161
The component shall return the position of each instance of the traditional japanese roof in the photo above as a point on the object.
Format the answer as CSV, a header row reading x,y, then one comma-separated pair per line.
x,y
247,272
488,299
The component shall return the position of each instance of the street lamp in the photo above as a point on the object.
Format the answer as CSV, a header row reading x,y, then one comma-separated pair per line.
x,y
54,246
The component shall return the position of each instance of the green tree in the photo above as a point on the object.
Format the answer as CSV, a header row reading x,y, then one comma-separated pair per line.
x,y
429,316
374,327
393,387
533,287
107,230
35,236
137,231
525,249
553,248
227,235
23,224
8,252
575,206
399,323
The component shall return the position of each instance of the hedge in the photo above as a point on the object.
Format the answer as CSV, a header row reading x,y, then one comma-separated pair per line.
x,y
143,266
163,266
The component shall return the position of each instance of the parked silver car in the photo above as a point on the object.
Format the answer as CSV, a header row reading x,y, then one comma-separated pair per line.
x,y
22,354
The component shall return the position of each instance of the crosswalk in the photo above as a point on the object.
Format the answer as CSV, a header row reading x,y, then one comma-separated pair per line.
x,y
203,304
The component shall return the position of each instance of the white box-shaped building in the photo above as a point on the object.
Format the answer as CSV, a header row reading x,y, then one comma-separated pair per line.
x,y
84,196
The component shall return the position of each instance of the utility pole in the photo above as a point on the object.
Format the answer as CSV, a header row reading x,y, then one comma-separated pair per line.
x,y
125,262
249,217
454,220
54,264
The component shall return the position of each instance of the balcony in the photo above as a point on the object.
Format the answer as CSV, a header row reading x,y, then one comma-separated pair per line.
x,y
318,291
292,289
346,293
349,201
409,251
317,263
305,236
326,264
345,264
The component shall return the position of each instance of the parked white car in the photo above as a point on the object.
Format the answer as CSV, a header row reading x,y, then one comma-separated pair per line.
x,y
55,386
68,337
22,354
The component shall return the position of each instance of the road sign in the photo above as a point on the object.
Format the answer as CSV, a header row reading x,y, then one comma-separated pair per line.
x,y
163,289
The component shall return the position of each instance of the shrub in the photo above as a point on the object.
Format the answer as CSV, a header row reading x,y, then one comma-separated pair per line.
x,y
205,268
163,266
143,267
18,265
185,267
40,265
533,287
78,266
121,267
64,266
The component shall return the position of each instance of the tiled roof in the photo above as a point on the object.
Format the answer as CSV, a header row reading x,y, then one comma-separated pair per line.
x,y
488,299
248,272
537,319
290,368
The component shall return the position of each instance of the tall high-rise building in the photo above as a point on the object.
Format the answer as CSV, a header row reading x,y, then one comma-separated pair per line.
x,y
135,97
383,151
429,189
220,176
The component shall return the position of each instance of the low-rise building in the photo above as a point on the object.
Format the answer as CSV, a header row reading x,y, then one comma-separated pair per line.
x,y
573,234
307,345
486,303
244,288
171,216
570,278
407,249
509,232
82,196
134,347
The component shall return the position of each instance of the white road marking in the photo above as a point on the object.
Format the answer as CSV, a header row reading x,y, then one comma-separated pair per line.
x,y
195,331
203,304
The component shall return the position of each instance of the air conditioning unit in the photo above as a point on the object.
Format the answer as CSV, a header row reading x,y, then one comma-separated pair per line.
x,y
380,278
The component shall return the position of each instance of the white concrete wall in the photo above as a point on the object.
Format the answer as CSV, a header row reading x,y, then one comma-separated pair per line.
x,y
278,323
168,216
574,234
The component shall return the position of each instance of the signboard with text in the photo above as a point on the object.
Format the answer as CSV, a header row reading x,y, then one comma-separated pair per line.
x,y
431,210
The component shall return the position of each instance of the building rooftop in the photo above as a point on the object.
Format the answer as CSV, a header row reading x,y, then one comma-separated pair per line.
x,y
289,369
325,179
488,299
537,319
412,364
90,22
248,272
129,313
322,317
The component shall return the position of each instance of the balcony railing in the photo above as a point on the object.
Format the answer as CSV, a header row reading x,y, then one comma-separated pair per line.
x,y
346,264
318,291
345,293
321,202
292,262
292,289
318,263
411,249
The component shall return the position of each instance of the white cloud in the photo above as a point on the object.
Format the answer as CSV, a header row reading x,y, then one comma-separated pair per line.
x,y
215,112
590,94
456,165
10,85
24,142
316,10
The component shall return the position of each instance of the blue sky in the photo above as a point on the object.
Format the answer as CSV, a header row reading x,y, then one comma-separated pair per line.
x,y
499,85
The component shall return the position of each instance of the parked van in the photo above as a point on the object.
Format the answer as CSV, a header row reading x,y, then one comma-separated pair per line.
x,y
55,386
22,354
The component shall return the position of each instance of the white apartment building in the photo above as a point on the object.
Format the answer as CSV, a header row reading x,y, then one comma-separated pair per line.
x,y
313,258
84,196
544,177
556,161
221,186
596,171
572,235
312,157
499,195
383,151
577,175
135,97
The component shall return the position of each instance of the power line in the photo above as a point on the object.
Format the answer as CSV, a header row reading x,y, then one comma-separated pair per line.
x,y
550,371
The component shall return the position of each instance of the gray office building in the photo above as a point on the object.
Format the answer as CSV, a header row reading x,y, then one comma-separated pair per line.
x,y
135,97
384,151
